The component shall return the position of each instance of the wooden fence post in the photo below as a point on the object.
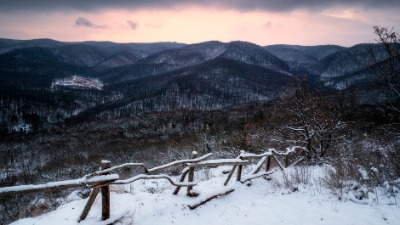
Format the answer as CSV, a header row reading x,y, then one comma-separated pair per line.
x,y
191,176
286,161
183,176
230,175
240,167
105,194
268,164
89,203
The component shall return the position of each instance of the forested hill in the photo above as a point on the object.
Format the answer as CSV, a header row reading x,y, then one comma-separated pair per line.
x,y
46,82
64,107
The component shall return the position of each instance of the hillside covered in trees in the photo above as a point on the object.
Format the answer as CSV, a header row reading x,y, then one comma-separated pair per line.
x,y
66,106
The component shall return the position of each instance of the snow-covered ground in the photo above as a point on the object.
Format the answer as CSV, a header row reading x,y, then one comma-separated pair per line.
x,y
78,82
150,202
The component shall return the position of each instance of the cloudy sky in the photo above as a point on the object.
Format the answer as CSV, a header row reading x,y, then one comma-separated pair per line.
x,y
264,22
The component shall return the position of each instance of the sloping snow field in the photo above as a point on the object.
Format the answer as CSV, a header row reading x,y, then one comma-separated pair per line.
x,y
263,202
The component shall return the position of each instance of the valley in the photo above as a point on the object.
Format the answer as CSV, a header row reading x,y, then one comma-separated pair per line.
x,y
66,106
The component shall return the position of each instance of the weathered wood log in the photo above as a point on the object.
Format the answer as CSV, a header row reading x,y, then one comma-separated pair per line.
x,y
181,179
255,156
233,168
259,165
102,184
272,151
239,173
240,167
58,185
298,161
89,203
220,162
230,175
209,199
105,194
191,176
149,177
286,161
277,161
268,163
196,160
152,170
254,176
111,169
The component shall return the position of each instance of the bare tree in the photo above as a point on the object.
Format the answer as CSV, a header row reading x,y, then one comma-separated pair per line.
x,y
388,66
312,122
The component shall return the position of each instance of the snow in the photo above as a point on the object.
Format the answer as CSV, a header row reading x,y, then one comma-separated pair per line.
x,y
59,184
375,170
105,161
78,82
75,195
262,160
180,162
270,151
217,162
363,173
149,202
161,176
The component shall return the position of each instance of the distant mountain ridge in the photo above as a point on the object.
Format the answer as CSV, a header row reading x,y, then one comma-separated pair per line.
x,y
140,78
190,55
301,58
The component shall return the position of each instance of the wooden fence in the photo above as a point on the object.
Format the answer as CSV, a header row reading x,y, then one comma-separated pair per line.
x,y
101,180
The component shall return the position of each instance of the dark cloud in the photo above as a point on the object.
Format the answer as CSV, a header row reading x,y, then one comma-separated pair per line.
x,y
82,22
132,24
271,5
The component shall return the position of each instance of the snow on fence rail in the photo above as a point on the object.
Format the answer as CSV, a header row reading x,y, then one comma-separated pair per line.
x,y
100,180
81,182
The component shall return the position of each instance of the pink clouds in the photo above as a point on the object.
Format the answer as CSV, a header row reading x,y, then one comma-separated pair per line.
x,y
343,26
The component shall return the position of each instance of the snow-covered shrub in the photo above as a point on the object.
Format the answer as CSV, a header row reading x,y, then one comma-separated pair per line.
x,y
365,164
338,178
203,174
301,175
359,191
293,177
392,189
361,179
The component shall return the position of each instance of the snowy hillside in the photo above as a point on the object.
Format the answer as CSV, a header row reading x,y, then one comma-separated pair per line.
x,y
280,199
78,82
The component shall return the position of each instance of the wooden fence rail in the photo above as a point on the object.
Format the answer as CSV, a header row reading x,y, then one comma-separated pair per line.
x,y
52,186
100,180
